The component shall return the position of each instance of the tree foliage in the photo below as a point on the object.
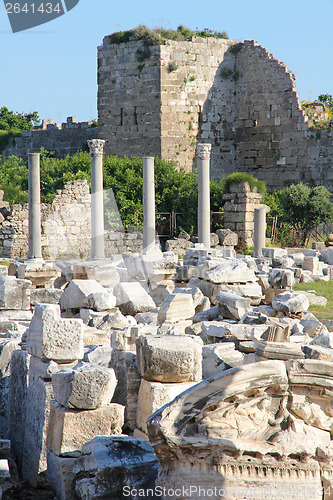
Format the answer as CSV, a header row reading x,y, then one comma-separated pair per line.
x,y
301,207
19,121
326,99
174,190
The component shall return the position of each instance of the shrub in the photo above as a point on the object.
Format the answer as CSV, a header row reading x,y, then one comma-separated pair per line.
x,y
240,178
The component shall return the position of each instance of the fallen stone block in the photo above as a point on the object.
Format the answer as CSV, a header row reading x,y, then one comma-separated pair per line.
x,y
101,301
17,400
126,393
113,321
219,357
231,272
69,429
60,475
77,292
125,339
227,238
273,253
251,291
232,305
14,293
85,387
45,296
281,278
132,298
153,395
318,352
278,350
50,337
111,466
170,358
290,302
176,307
99,355
149,318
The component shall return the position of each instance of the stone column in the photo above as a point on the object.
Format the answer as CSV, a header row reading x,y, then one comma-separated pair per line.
x,y
203,160
148,204
97,204
259,234
35,246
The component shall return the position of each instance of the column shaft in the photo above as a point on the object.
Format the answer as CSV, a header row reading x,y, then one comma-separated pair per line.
x,y
203,161
148,204
97,202
259,235
35,246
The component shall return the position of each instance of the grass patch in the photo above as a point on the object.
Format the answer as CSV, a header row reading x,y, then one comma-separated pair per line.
x,y
323,288
158,36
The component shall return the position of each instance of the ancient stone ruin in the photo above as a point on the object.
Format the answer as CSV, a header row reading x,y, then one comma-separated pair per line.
x,y
198,377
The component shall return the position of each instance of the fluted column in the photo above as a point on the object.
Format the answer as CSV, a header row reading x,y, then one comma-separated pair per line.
x,y
148,204
35,245
97,204
203,161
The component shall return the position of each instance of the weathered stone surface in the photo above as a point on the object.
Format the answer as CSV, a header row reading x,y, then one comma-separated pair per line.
x,y
290,302
227,238
318,352
70,429
14,293
50,337
231,272
279,350
149,318
170,358
126,393
85,387
232,305
219,357
125,339
99,355
45,296
101,301
252,291
77,292
240,331
176,307
60,475
112,466
39,396
272,252
259,409
132,298
18,390
315,300
153,395
281,278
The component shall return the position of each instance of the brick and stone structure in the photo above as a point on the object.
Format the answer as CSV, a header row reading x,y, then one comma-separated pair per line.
x,y
163,100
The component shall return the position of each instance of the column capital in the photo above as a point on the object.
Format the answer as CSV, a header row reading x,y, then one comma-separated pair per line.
x,y
203,151
96,146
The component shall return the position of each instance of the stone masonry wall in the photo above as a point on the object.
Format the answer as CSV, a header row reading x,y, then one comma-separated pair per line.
x,y
66,228
129,98
239,212
237,97
63,139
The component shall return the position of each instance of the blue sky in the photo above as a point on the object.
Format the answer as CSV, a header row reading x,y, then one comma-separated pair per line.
x,y
52,68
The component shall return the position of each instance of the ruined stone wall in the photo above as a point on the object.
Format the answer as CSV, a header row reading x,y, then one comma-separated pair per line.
x,y
197,103
129,98
237,97
66,228
63,139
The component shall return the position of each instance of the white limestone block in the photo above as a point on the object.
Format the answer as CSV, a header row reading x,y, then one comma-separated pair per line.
x,y
51,338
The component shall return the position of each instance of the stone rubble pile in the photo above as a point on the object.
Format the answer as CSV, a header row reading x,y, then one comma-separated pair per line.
x,y
88,360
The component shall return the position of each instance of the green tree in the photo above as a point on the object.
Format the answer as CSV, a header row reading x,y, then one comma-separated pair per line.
x,y
304,208
326,99
10,120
